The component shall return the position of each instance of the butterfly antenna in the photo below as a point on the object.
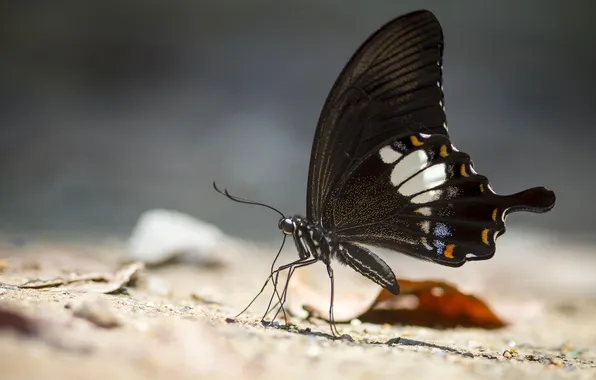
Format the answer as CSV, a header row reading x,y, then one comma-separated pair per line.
x,y
266,281
246,201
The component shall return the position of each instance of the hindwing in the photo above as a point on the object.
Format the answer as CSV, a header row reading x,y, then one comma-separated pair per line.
x,y
420,196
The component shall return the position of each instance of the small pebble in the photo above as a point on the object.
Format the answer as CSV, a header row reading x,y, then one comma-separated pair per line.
x,y
355,322
393,341
574,354
230,320
270,324
511,353
185,309
556,362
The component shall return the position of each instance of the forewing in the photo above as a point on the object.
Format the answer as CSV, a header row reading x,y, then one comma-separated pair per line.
x,y
391,87
420,196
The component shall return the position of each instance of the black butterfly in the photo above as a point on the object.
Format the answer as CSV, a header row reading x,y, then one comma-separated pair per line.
x,y
384,173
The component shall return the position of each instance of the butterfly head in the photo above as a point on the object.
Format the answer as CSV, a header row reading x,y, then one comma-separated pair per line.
x,y
287,225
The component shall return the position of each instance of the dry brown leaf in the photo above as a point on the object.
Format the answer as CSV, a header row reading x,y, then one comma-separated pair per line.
x,y
90,282
420,303
433,304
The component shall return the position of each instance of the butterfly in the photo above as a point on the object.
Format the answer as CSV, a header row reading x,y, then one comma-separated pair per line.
x,y
384,172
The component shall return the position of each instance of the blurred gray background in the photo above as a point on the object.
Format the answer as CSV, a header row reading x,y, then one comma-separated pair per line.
x,y
109,108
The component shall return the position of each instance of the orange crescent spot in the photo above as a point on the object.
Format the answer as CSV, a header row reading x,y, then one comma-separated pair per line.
x,y
415,141
485,236
482,188
443,151
448,252
495,215
462,170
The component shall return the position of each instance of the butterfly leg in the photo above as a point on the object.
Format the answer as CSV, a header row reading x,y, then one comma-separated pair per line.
x,y
285,290
334,330
291,266
270,277
283,297
274,277
275,281
279,301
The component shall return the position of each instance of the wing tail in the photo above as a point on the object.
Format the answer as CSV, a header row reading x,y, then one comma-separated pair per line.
x,y
537,200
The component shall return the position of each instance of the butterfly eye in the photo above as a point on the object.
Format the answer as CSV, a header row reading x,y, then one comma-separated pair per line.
x,y
286,225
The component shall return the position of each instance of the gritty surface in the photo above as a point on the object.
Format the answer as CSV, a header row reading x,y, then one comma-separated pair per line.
x,y
174,322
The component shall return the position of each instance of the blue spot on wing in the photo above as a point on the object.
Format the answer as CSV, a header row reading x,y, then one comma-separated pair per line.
x,y
441,230
439,246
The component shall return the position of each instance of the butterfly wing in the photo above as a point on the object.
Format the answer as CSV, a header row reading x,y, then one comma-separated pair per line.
x,y
420,196
391,86
383,170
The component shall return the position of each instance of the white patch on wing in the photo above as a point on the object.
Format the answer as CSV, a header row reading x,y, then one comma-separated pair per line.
x,y
430,177
424,242
427,196
425,226
389,155
409,165
426,211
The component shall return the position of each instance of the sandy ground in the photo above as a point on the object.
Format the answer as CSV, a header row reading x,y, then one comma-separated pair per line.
x,y
172,322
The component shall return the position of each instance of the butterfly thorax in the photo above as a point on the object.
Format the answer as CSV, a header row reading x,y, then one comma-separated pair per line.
x,y
311,239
